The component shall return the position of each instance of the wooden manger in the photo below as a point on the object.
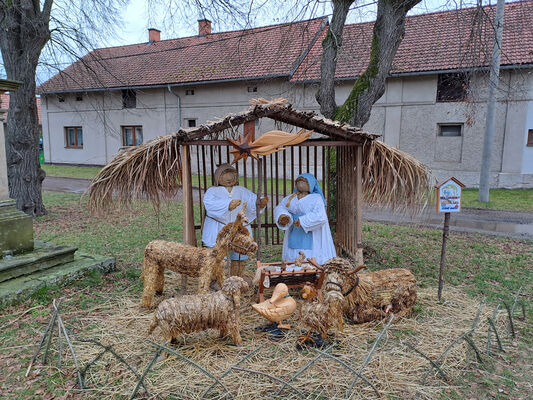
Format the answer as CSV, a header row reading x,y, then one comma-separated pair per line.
x,y
350,165
305,276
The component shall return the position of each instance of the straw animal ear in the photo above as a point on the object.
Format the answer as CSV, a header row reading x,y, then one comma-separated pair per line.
x,y
241,216
356,270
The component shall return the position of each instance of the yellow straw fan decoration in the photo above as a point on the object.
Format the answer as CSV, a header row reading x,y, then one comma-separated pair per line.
x,y
195,313
205,263
372,296
268,143
279,307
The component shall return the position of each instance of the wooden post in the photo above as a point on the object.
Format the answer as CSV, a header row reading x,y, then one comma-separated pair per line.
x,y
359,204
259,194
445,232
189,234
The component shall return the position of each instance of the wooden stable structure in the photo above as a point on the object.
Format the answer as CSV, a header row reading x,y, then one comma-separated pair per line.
x,y
338,156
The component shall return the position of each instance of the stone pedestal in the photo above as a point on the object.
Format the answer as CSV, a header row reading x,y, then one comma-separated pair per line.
x,y
16,228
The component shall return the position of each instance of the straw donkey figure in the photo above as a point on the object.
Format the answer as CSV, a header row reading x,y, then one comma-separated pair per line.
x,y
205,263
371,296
199,312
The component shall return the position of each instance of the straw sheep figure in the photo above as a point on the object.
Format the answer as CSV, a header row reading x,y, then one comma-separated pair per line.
x,y
205,263
194,313
372,296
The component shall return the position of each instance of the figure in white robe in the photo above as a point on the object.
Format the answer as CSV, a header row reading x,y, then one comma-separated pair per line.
x,y
302,216
222,204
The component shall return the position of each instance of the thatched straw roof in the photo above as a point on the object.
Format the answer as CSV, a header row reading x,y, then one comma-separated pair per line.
x,y
153,170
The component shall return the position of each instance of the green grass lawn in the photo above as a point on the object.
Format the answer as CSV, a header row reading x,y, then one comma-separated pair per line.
x,y
479,265
501,199
70,171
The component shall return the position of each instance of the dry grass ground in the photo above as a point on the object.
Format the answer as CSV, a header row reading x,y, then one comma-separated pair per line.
x,y
106,308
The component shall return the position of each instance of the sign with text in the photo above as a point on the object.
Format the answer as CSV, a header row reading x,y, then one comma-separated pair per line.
x,y
449,195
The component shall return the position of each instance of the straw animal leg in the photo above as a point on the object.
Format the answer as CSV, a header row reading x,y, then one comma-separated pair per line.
x,y
223,331
304,338
150,269
204,281
160,280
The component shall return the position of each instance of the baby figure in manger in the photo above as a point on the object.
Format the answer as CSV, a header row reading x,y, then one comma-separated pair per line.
x,y
303,216
222,203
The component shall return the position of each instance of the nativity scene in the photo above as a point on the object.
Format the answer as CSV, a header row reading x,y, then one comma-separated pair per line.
x,y
299,195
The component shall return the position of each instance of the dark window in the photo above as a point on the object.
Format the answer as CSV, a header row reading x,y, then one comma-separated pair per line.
x,y
252,89
530,137
452,87
61,99
191,123
129,99
79,97
450,129
74,137
132,135
189,92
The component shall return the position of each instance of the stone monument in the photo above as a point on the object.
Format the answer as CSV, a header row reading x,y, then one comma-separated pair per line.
x,y
16,228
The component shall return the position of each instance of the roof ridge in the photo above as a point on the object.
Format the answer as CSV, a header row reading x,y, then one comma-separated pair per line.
x,y
258,28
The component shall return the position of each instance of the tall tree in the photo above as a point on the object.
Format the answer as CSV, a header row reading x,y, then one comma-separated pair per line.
x,y
65,29
25,31
387,35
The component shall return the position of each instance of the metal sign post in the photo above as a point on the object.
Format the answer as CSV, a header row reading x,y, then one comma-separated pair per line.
x,y
448,200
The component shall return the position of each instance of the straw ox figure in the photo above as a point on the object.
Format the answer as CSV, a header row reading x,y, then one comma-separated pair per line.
x,y
199,312
205,263
370,296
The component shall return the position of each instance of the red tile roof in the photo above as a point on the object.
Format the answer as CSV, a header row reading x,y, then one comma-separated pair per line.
x,y
247,54
4,103
435,42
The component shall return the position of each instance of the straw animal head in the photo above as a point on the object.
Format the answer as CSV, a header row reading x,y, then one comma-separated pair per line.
x,y
233,287
236,236
340,274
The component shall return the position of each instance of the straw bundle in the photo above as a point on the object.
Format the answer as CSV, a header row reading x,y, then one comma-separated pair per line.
x,y
150,171
195,313
393,178
370,296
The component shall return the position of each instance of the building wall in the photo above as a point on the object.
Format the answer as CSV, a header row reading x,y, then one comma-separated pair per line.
x,y
407,116
101,116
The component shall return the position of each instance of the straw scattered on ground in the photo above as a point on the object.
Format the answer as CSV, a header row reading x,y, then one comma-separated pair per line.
x,y
395,369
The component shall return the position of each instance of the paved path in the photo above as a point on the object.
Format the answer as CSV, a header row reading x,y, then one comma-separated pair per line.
x,y
514,224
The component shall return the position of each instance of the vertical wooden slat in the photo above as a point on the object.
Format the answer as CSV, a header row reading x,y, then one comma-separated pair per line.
x,y
292,167
199,174
265,169
308,160
271,192
188,210
359,198
299,160
212,162
324,186
315,150
277,197
204,169
285,155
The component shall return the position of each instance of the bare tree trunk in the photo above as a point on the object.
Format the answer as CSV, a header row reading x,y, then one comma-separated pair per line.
x,y
331,45
25,31
388,32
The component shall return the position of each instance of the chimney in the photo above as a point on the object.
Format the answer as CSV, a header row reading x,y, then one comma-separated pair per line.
x,y
204,27
154,35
